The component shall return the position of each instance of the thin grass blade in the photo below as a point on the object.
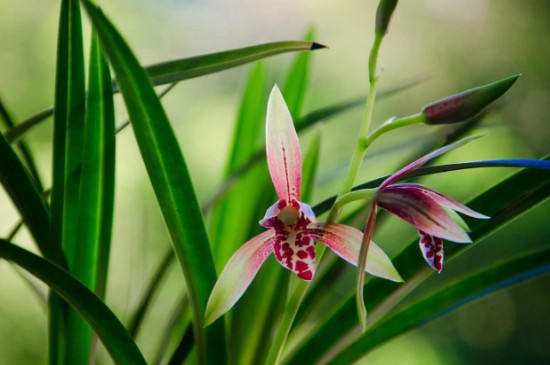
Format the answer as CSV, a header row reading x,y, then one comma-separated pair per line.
x,y
23,148
70,96
170,180
188,68
25,196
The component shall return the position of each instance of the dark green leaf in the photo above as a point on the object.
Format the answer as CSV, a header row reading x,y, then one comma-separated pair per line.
x,y
170,180
94,216
137,318
25,196
112,333
188,68
443,301
25,152
70,96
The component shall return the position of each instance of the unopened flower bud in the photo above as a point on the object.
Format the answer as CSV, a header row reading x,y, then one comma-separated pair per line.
x,y
466,105
383,16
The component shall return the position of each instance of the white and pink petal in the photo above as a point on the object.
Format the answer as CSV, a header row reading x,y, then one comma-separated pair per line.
x,y
345,241
432,250
237,274
422,211
282,148
445,200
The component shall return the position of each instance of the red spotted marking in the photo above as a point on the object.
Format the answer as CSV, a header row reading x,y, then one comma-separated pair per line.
x,y
432,250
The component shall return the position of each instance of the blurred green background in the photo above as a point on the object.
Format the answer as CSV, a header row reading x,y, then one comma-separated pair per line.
x,y
455,45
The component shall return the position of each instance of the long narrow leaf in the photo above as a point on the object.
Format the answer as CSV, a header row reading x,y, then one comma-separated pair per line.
x,y
94,216
25,151
429,170
112,333
188,68
25,196
170,179
230,230
447,299
70,96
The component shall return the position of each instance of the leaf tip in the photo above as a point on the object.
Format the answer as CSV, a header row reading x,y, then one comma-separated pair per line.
x,y
315,45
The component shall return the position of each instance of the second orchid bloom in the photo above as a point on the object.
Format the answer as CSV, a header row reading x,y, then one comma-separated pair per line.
x,y
293,228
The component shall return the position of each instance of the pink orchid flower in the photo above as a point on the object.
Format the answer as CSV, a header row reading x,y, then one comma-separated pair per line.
x,y
423,208
293,228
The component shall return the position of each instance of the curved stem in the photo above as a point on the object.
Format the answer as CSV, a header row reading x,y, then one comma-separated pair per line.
x,y
296,293
361,265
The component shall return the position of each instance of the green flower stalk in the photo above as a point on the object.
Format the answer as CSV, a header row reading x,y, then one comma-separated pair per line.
x,y
467,104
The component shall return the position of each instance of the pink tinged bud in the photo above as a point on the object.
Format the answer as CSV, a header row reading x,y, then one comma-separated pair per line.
x,y
237,274
422,211
383,15
466,105
432,250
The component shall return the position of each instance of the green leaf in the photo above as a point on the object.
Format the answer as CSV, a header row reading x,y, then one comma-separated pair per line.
x,y
429,170
136,319
94,216
25,196
96,199
112,333
66,343
188,68
310,166
228,229
170,180
503,202
22,146
294,89
445,300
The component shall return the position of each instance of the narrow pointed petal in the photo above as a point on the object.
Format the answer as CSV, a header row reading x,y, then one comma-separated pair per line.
x,y
345,241
295,251
432,250
422,211
422,160
237,275
282,148
446,201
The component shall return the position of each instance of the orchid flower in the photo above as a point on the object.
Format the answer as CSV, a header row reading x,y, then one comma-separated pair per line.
x,y
292,226
424,208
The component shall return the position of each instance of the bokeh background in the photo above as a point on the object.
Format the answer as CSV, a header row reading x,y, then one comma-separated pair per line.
x,y
452,45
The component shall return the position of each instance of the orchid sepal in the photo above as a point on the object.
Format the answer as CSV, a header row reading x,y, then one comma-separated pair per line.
x,y
237,275
345,241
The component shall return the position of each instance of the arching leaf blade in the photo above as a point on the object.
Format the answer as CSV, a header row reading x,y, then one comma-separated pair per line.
x,y
170,180
110,330
445,300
